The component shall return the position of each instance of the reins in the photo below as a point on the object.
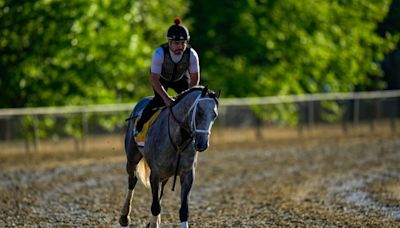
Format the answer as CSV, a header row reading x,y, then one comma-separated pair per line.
x,y
129,118
191,131
177,148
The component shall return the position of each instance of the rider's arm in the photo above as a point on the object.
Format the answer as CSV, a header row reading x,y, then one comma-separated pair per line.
x,y
194,79
156,66
155,83
194,68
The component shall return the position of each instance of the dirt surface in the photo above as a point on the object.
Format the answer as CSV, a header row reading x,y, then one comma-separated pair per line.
x,y
332,182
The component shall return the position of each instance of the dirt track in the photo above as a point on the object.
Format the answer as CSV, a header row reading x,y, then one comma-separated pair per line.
x,y
337,182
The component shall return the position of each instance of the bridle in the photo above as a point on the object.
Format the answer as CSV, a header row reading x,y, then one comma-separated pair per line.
x,y
192,124
191,132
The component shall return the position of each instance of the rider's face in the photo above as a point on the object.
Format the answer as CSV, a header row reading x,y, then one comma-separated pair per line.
x,y
177,46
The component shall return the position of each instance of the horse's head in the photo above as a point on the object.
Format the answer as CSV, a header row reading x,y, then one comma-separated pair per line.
x,y
205,111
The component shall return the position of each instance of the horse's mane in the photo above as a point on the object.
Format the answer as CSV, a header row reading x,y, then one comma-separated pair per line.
x,y
183,94
186,92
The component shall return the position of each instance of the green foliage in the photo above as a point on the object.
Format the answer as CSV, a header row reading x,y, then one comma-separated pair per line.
x,y
391,65
57,52
282,115
266,47
331,111
73,127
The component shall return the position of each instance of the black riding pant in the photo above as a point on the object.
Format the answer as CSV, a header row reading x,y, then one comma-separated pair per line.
x,y
179,86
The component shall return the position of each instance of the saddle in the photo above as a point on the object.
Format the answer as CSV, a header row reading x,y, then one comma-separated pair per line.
x,y
141,137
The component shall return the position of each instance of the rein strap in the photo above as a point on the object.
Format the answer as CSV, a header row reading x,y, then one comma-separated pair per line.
x,y
177,148
191,131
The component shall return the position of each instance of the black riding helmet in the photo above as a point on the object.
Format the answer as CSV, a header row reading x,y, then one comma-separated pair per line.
x,y
178,31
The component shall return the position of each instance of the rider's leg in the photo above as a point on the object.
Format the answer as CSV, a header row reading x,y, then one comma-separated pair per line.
x,y
148,111
157,101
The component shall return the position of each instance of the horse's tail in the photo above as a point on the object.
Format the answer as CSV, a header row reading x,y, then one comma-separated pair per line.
x,y
143,171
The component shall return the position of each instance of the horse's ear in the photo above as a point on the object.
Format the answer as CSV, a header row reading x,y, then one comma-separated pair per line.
x,y
218,94
205,91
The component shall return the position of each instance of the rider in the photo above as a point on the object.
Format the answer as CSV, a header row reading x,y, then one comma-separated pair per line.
x,y
174,65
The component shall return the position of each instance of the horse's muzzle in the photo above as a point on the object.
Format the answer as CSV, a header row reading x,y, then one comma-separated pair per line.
x,y
201,142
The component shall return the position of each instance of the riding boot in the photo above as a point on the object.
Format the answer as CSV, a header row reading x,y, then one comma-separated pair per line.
x,y
148,111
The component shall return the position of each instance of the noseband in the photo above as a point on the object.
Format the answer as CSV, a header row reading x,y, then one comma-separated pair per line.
x,y
192,124
192,111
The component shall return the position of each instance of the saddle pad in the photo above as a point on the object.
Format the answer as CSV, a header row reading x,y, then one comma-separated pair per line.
x,y
141,137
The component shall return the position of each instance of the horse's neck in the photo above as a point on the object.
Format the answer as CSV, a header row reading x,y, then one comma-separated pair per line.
x,y
182,108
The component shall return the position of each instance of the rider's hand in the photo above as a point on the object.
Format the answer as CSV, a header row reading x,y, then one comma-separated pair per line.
x,y
169,102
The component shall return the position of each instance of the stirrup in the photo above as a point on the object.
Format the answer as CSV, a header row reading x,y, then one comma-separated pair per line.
x,y
140,144
135,135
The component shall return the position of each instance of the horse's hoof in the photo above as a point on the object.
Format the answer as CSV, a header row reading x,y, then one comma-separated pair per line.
x,y
155,208
124,221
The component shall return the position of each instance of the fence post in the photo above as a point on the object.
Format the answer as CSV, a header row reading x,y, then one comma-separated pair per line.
x,y
372,117
300,111
36,140
84,130
344,116
393,117
7,136
310,117
356,113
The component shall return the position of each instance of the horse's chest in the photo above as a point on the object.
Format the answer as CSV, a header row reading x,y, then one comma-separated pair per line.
x,y
167,167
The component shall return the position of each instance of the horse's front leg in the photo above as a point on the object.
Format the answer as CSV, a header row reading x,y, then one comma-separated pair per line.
x,y
155,205
186,184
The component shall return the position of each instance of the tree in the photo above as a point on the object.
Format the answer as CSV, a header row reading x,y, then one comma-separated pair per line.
x,y
79,52
266,47
391,63
56,53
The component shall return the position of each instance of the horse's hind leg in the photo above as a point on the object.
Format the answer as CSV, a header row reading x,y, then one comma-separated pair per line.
x,y
134,157
126,207
186,184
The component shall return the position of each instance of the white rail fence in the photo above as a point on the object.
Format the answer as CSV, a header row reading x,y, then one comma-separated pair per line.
x,y
352,109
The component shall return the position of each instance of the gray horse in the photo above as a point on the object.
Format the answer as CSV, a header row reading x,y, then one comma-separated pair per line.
x,y
171,147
